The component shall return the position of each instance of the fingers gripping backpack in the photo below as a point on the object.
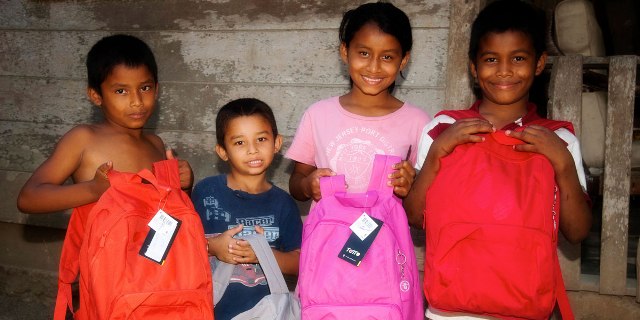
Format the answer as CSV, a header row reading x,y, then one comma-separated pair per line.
x,y
492,217
124,271
385,284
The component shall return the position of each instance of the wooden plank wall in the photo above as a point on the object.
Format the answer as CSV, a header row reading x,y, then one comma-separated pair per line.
x,y
617,167
283,52
565,103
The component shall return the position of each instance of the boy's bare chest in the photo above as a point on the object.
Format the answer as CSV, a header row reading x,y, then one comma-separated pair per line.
x,y
126,153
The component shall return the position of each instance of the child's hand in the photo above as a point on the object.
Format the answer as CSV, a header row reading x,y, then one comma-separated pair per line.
x,y
546,142
100,182
461,132
402,178
220,245
184,169
243,251
312,182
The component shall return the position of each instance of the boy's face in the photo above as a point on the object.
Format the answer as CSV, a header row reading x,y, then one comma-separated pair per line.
x,y
505,67
128,97
249,145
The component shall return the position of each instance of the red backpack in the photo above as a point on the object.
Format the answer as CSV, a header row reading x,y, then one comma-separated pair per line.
x,y
142,255
492,217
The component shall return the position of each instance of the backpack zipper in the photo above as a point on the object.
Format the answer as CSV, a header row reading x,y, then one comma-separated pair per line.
x,y
554,213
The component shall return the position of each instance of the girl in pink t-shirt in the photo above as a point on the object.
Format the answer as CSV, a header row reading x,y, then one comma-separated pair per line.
x,y
341,135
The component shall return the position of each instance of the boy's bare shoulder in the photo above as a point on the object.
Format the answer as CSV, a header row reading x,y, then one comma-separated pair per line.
x,y
78,137
155,140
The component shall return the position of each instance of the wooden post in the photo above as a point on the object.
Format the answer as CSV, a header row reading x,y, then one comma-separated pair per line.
x,y
458,93
565,103
617,166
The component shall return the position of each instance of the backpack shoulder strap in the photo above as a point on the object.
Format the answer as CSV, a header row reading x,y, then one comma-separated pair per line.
x,y
553,125
460,114
332,184
221,275
69,260
166,171
268,263
561,293
382,167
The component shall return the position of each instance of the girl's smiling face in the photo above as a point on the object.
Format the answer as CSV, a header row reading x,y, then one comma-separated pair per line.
x,y
505,67
374,59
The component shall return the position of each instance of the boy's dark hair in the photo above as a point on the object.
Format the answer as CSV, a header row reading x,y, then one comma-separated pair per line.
x,y
386,16
239,108
115,50
509,15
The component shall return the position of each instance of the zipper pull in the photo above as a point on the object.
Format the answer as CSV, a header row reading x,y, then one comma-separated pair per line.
x,y
554,213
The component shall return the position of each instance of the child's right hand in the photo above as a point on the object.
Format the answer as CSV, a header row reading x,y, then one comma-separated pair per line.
x,y
304,183
100,182
220,245
312,182
460,132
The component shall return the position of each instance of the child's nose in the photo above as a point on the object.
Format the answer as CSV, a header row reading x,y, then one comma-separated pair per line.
x,y
252,148
374,64
136,99
504,69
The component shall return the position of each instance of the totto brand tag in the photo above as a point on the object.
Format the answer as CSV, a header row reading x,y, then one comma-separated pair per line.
x,y
363,226
355,248
160,237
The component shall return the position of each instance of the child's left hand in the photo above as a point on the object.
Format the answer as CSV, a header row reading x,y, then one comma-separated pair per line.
x,y
184,170
402,178
242,249
546,142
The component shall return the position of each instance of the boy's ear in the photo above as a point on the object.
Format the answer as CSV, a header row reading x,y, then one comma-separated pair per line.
x,y
405,60
278,143
472,68
540,64
344,52
222,153
94,96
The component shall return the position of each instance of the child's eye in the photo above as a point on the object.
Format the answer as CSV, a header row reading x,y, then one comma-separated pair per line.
x,y
146,88
120,91
519,59
238,143
364,53
490,60
262,139
387,58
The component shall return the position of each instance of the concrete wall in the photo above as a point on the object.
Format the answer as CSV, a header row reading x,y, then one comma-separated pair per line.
x,y
284,52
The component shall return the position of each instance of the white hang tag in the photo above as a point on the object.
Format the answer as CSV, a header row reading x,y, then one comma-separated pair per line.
x,y
164,228
363,226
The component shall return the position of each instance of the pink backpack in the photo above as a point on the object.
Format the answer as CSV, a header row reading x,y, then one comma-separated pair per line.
x,y
385,283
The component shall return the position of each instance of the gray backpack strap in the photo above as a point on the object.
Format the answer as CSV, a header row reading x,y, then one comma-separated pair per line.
x,y
221,276
268,263
223,271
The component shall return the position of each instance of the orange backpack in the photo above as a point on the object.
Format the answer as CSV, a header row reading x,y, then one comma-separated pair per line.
x,y
142,253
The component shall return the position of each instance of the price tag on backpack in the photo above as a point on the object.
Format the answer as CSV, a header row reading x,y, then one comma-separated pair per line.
x,y
356,248
364,226
160,237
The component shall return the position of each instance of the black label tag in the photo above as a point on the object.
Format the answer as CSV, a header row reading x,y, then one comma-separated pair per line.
x,y
355,249
160,238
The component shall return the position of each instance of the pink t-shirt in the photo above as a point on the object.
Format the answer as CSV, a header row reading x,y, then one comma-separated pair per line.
x,y
331,137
